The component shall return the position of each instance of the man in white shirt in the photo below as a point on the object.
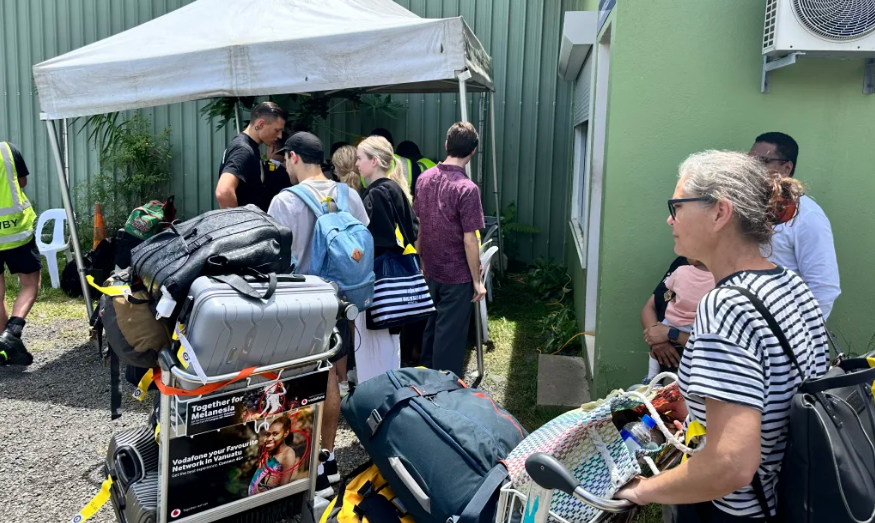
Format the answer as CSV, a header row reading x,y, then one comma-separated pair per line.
x,y
303,156
805,245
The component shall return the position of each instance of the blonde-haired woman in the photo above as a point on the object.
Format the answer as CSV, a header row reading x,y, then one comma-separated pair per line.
x,y
387,202
344,160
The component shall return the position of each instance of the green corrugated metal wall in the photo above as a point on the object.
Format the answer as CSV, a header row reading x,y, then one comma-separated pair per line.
x,y
532,106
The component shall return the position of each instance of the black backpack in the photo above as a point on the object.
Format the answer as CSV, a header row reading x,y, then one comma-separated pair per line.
x,y
828,470
224,241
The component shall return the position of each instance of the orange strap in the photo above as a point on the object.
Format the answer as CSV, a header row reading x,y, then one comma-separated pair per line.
x,y
205,389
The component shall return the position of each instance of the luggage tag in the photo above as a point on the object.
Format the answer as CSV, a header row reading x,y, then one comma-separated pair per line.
x,y
95,504
186,355
143,386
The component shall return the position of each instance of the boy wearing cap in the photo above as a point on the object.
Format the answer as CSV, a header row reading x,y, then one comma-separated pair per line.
x,y
303,157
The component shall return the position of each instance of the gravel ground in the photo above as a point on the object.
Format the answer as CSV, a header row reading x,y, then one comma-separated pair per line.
x,y
56,426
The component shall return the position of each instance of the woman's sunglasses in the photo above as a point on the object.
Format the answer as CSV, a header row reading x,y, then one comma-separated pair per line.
x,y
672,209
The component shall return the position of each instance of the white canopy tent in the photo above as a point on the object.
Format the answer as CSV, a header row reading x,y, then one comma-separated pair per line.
x,y
235,48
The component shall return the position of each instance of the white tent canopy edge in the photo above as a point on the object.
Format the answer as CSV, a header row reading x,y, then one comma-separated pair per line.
x,y
337,44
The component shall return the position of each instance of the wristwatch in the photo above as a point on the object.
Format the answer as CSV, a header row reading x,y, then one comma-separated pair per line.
x,y
673,334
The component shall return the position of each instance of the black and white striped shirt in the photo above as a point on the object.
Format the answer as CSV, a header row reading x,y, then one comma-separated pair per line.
x,y
733,356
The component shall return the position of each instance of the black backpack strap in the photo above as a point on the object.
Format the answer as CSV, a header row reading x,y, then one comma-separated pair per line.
x,y
115,390
773,325
375,507
480,500
757,483
761,497
403,395
242,286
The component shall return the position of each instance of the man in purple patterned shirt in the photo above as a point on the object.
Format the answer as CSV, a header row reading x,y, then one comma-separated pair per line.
x,y
450,214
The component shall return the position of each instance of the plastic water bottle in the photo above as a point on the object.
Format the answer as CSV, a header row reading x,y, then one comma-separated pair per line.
x,y
636,435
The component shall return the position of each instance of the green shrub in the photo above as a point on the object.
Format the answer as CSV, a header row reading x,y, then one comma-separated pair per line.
x,y
134,169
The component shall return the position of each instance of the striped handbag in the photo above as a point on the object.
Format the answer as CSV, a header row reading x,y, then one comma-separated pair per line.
x,y
400,293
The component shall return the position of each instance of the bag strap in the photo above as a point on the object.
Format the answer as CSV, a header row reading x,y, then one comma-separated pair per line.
x,y
342,199
472,511
205,389
115,390
404,395
761,498
840,382
308,198
773,325
757,483
242,286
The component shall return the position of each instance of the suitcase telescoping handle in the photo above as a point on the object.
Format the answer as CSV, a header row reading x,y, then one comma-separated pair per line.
x,y
548,473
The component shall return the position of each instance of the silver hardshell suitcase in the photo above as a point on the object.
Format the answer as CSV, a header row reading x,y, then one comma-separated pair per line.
x,y
229,331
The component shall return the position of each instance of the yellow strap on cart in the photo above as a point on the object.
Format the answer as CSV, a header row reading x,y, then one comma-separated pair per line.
x,y
94,505
112,290
143,386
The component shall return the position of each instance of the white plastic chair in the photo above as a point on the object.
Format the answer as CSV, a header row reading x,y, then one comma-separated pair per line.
x,y
484,246
57,244
490,233
486,274
480,309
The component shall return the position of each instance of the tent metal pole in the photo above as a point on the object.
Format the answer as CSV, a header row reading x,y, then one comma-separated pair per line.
x,y
463,104
481,118
66,144
237,114
71,217
495,182
478,322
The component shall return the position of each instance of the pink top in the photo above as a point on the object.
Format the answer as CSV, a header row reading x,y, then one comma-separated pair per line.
x,y
689,286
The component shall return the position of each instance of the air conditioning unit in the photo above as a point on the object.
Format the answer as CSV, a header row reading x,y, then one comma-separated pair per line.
x,y
827,28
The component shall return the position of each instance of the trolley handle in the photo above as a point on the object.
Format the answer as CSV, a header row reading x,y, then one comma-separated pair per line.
x,y
168,361
549,473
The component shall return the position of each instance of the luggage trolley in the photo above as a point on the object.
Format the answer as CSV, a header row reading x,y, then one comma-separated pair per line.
x,y
237,430
178,433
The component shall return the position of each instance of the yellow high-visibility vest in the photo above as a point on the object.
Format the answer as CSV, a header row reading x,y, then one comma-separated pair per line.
x,y
16,214
425,164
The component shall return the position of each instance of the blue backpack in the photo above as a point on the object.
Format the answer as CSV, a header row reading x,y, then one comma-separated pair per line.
x,y
342,248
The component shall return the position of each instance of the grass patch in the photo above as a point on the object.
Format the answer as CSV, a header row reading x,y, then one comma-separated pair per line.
x,y
516,335
51,304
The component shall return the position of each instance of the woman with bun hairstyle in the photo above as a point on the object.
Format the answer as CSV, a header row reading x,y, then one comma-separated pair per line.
x,y
734,375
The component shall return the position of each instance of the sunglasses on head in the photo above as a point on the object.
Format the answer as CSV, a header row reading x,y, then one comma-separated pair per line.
x,y
672,204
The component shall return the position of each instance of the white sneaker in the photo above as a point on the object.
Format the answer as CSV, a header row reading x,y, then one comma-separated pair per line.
x,y
344,389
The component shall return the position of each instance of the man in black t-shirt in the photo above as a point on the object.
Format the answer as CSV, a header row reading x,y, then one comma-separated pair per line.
x,y
242,176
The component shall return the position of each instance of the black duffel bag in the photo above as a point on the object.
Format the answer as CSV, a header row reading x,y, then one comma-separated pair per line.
x,y
225,241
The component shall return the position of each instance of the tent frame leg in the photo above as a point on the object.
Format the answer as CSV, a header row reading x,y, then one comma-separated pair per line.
x,y
71,217
464,76
495,183
237,114
463,105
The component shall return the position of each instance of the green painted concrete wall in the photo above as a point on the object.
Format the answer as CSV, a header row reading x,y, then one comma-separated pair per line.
x,y
533,106
685,78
